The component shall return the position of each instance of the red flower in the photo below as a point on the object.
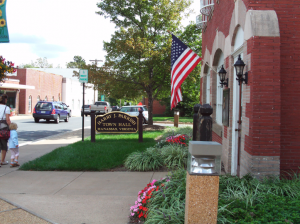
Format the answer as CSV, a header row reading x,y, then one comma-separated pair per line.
x,y
141,207
140,215
144,201
145,215
145,209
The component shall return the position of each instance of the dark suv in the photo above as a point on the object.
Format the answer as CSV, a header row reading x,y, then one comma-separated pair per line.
x,y
50,111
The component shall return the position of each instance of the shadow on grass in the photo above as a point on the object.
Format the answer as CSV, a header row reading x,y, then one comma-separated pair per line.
x,y
109,151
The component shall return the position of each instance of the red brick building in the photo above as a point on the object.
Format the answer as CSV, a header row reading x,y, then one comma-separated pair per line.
x,y
47,87
266,34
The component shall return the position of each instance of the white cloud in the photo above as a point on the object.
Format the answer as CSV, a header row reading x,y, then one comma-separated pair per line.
x,y
58,30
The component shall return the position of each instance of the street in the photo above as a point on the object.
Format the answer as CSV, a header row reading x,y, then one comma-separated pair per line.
x,y
29,131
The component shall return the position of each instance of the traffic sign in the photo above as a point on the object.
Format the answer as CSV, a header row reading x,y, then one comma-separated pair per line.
x,y
83,75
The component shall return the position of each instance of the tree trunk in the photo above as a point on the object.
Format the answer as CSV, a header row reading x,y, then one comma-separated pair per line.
x,y
150,108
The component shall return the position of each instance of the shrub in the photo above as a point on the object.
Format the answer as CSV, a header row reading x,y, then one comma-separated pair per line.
x,y
172,131
174,156
144,161
167,205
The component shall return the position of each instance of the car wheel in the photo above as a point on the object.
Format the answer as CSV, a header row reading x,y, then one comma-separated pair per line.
x,y
57,119
36,120
67,118
70,114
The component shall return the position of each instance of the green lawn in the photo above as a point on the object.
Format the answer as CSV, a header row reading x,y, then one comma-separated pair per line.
x,y
181,119
109,151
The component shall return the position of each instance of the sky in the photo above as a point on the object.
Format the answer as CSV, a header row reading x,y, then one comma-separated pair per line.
x,y
59,30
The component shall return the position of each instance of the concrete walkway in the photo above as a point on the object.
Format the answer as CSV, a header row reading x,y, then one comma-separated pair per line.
x,y
67,197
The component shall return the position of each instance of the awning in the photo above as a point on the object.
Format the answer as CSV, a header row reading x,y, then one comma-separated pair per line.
x,y
15,86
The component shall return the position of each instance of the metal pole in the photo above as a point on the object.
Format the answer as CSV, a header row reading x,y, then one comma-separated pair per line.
x,y
93,130
239,129
83,84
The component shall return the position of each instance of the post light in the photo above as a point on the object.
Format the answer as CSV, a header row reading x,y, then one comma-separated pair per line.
x,y
202,182
222,74
239,68
204,158
176,118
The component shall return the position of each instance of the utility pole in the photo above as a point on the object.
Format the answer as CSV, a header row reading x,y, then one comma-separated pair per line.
x,y
95,61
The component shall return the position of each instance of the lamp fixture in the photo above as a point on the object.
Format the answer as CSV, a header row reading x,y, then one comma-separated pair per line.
x,y
222,74
239,68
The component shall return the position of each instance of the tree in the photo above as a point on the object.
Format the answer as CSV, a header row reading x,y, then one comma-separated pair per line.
x,y
77,63
138,55
42,63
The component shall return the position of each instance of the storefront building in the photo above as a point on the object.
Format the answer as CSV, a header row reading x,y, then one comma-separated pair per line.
x,y
265,34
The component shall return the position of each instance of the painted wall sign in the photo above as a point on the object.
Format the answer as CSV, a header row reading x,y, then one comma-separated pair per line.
x,y
116,122
4,37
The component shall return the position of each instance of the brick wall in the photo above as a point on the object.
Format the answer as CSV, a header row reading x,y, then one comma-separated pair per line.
x,y
157,107
46,85
221,21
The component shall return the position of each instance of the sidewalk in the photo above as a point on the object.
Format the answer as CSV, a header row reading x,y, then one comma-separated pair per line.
x,y
67,197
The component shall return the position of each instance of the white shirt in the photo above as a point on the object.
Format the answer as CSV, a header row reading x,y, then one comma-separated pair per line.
x,y
2,114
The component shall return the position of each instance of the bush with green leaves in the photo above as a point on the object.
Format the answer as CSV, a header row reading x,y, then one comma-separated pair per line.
x,y
163,153
249,200
172,131
144,161
168,204
174,156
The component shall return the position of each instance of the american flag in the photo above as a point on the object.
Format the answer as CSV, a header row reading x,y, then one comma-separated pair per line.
x,y
183,61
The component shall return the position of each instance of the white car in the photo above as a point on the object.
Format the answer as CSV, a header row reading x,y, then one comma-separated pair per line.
x,y
134,111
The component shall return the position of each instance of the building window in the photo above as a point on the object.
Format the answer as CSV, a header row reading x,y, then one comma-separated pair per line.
x,y
52,98
46,98
219,96
29,104
208,87
38,98
59,97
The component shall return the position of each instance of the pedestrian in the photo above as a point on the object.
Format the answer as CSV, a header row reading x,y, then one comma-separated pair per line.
x,y
13,145
4,116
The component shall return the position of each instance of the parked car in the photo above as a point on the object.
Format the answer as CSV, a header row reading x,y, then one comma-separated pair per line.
x,y
134,111
68,108
87,110
50,111
115,108
102,107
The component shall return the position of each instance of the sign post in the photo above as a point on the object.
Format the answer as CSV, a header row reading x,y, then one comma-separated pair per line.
x,y
83,78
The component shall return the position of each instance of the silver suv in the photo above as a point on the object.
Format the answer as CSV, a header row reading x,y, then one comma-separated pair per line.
x,y
134,111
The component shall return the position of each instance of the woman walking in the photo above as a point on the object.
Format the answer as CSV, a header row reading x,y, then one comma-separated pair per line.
x,y
4,116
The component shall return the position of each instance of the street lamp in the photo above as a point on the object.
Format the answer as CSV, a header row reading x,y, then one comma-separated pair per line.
x,y
239,68
222,74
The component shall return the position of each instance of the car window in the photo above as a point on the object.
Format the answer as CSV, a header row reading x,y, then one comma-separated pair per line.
x,y
145,108
58,106
125,109
44,106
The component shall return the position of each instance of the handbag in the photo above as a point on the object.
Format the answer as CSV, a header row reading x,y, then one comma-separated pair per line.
x,y
4,132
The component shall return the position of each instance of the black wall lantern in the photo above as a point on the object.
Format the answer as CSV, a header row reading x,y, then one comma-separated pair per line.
x,y
222,74
239,68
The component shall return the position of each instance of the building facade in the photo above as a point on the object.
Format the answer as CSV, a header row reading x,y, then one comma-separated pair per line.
x,y
51,85
266,35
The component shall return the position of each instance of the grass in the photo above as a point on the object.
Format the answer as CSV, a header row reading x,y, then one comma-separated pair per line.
x,y
181,119
109,151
